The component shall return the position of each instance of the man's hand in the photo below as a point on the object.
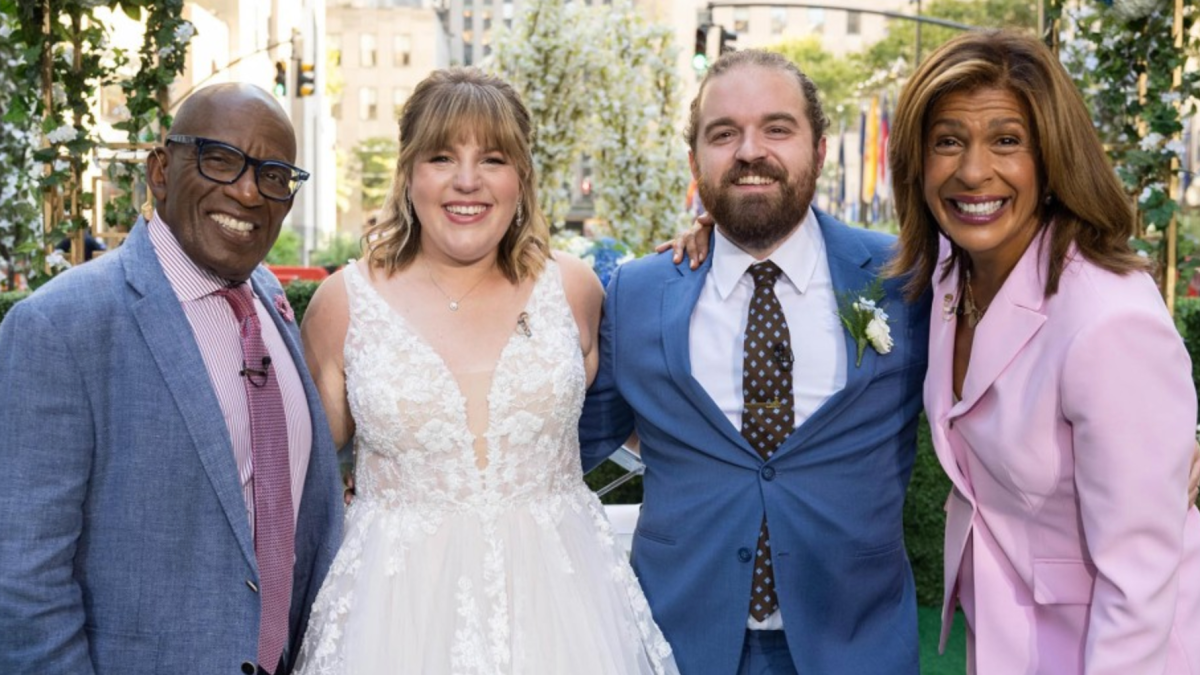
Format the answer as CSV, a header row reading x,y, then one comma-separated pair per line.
x,y
694,241
1194,484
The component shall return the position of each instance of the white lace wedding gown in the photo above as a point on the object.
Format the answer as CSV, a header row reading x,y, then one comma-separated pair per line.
x,y
450,569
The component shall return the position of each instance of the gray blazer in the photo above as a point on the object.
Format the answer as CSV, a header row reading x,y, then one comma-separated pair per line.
x,y
124,542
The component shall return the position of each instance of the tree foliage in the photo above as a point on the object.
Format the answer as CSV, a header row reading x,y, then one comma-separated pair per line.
x,y
374,165
601,80
836,78
901,40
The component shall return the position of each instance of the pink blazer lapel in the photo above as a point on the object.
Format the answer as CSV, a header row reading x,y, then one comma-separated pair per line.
x,y
1012,319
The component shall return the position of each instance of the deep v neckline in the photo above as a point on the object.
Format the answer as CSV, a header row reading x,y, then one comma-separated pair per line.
x,y
399,320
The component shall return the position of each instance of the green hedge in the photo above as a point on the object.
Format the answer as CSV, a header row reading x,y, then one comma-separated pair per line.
x,y
299,293
1187,318
925,519
7,300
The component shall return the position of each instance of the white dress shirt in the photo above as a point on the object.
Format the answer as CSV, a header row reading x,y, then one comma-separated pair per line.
x,y
806,294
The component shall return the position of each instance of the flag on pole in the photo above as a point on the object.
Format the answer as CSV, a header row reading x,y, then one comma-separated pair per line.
x,y
883,187
871,152
840,199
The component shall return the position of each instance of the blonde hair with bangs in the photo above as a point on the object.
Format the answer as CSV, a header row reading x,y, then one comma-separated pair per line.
x,y
451,106
1081,200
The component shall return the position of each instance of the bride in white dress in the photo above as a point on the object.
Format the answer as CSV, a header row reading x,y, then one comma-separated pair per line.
x,y
457,355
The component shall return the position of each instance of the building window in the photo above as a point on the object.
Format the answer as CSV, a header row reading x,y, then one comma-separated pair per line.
x,y
778,20
368,103
853,23
333,47
741,19
367,51
399,96
816,21
402,50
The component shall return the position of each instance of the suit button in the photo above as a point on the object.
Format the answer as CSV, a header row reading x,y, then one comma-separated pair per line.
x,y
248,668
744,554
768,473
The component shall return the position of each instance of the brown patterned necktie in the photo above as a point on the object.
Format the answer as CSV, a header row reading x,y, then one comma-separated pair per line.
x,y
767,408
274,527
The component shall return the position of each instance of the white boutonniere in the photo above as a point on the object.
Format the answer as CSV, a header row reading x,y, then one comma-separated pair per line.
x,y
865,319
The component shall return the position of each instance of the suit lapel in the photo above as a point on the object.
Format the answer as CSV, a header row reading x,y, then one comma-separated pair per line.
x,y
679,299
1012,319
939,378
850,271
168,336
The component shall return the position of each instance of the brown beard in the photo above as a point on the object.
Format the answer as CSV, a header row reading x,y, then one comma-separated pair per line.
x,y
758,222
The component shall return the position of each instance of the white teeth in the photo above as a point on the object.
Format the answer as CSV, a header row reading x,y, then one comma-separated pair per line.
x,y
755,180
980,208
232,223
466,210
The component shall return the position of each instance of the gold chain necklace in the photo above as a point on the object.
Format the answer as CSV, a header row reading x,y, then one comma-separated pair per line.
x,y
454,304
968,308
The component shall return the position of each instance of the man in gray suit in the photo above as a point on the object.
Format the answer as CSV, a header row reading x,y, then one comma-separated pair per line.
x,y
168,503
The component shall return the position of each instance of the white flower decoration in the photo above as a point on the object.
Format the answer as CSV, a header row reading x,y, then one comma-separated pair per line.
x,y
880,334
1134,9
63,134
56,260
1150,141
865,320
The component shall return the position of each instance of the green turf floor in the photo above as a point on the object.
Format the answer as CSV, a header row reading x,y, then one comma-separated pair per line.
x,y
929,625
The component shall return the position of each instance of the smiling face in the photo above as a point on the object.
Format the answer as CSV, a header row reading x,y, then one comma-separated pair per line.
x,y
227,229
981,175
465,197
755,161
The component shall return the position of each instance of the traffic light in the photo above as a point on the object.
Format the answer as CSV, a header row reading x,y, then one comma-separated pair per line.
x,y
727,41
281,78
306,80
700,53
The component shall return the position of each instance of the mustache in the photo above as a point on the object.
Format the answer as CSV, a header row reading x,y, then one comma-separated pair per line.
x,y
759,168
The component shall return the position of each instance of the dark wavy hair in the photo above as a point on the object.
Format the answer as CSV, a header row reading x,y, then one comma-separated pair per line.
x,y
1082,200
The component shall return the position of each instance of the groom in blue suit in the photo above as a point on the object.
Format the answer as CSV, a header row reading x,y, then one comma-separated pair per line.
x,y
127,542
811,526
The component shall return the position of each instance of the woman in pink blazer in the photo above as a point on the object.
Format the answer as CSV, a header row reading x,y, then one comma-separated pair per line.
x,y
1059,392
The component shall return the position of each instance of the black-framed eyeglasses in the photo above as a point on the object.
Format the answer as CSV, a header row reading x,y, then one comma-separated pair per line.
x,y
225,164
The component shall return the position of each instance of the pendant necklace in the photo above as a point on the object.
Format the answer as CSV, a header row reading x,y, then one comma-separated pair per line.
x,y
973,312
454,304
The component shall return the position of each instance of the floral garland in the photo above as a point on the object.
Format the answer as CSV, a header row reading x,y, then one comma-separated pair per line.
x,y
77,61
1115,45
161,59
19,215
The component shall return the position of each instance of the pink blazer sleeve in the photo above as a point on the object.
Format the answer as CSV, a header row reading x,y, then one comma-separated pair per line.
x,y
1128,393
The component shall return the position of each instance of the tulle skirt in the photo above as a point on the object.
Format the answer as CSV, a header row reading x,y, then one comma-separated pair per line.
x,y
523,591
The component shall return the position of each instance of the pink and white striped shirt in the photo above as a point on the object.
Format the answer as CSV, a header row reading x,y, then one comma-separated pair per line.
x,y
217,335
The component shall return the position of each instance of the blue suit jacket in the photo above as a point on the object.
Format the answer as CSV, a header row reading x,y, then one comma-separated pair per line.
x,y
125,545
833,493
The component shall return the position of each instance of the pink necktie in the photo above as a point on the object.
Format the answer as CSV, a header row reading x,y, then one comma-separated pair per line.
x,y
274,528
